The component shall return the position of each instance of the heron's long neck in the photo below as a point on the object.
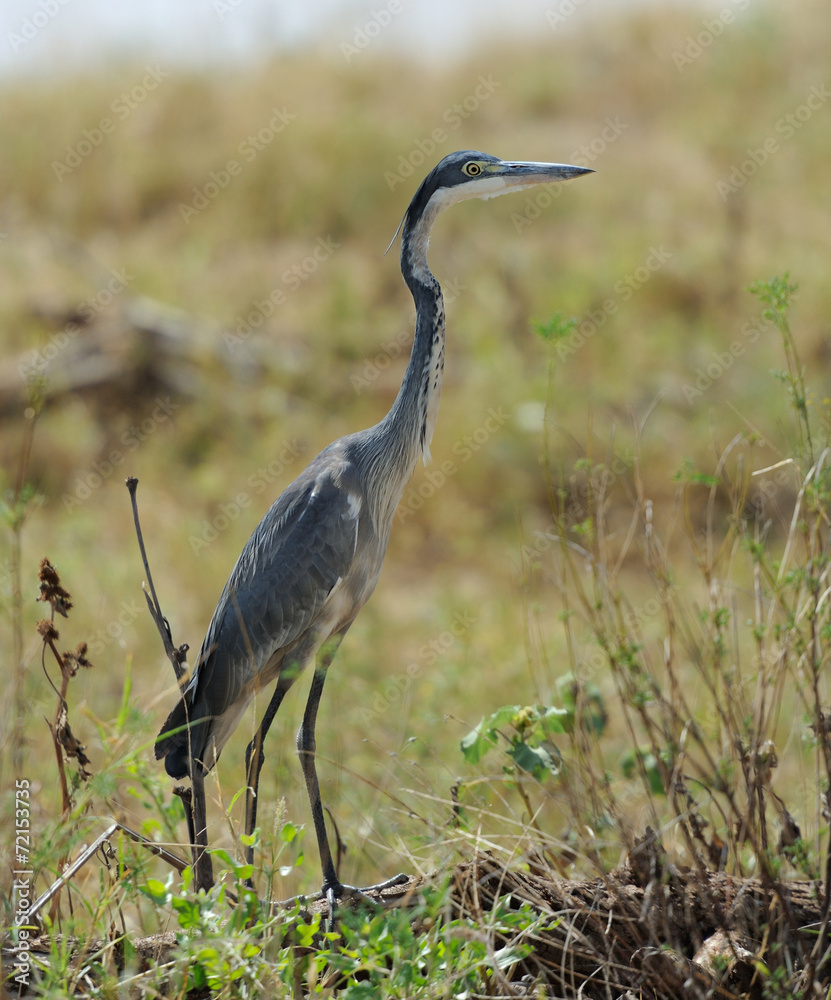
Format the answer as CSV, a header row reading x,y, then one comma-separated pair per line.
x,y
409,425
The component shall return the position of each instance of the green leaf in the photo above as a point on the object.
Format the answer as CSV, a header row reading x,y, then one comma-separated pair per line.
x,y
189,913
536,760
483,738
475,745
158,891
306,932
233,801
241,870
555,720
222,855
502,716
288,831
510,955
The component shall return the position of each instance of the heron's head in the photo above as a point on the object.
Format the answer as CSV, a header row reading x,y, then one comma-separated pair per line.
x,y
469,174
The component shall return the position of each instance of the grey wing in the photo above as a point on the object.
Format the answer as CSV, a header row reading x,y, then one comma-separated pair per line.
x,y
297,555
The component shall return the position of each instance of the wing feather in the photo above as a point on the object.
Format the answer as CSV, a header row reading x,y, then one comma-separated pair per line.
x,y
297,555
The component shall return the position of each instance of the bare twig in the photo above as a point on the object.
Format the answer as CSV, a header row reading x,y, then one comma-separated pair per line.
x,y
180,864
19,505
195,805
176,654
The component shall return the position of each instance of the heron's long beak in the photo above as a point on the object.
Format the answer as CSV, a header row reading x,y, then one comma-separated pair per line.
x,y
519,173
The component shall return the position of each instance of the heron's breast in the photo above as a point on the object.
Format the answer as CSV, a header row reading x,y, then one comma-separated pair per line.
x,y
353,590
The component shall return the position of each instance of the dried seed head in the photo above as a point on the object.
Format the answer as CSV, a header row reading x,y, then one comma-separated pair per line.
x,y
47,630
51,590
81,655
789,833
75,659
72,747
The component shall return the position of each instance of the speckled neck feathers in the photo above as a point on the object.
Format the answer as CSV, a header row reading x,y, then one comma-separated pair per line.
x,y
407,430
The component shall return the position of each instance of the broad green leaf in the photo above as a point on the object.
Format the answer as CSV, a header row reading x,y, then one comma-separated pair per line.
x,y
536,760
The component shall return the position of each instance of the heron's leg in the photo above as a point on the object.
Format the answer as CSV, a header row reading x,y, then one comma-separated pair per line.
x,y
203,872
254,757
333,888
306,746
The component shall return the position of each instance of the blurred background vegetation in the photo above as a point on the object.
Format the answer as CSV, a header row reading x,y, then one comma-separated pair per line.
x,y
703,184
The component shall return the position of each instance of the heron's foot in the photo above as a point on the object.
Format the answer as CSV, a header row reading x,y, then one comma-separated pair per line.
x,y
347,894
351,893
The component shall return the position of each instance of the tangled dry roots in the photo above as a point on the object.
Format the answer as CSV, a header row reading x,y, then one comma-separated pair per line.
x,y
651,930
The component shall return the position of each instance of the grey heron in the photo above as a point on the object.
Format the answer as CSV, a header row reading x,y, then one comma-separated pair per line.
x,y
314,559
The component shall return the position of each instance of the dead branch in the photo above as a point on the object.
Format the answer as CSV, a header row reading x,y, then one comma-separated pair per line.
x,y
195,806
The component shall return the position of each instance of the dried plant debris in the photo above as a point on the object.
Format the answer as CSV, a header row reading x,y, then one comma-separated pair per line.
x,y
47,631
71,745
51,590
74,659
69,663
650,929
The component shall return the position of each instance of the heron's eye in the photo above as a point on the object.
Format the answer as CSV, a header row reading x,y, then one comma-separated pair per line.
x,y
472,169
